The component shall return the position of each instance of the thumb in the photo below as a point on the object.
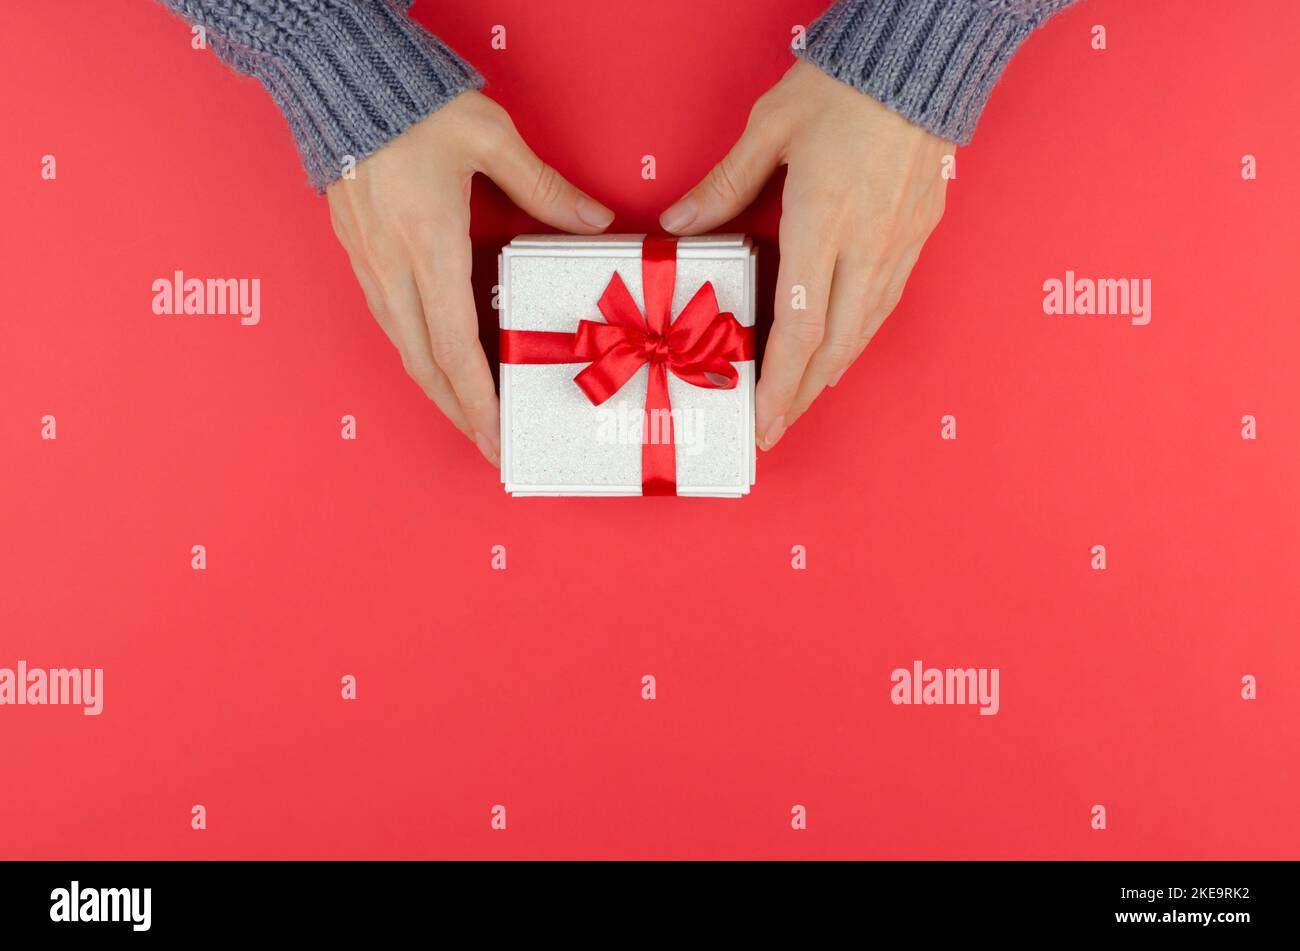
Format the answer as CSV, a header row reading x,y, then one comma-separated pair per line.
x,y
729,187
541,191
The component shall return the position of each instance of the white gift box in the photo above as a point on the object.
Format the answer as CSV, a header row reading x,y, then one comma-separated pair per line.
x,y
554,441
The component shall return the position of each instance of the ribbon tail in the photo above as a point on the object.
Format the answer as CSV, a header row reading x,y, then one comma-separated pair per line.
x,y
658,453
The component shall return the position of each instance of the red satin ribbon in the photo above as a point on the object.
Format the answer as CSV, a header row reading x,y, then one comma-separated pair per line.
x,y
698,347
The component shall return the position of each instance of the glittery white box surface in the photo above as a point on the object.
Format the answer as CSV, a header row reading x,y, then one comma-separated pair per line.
x,y
553,440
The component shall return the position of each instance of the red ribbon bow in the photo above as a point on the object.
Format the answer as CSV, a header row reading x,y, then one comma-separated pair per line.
x,y
698,347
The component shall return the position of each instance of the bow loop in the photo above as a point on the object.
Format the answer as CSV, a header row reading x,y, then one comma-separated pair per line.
x,y
618,308
700,312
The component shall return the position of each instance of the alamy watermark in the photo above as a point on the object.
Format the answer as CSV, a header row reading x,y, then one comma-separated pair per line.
x,y
53,686
178,296
682,427
75,903
976,686
1099,297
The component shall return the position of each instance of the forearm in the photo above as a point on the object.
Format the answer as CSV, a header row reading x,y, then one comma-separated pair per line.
x,y
349,75
935,62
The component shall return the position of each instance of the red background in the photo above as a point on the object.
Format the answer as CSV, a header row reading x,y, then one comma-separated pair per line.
x,y
522,687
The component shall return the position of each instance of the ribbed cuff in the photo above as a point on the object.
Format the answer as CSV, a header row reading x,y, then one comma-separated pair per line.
x,y
934,62
360,75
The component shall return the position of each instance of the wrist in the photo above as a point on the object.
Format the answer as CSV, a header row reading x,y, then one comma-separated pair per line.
x,y
357,77
934,62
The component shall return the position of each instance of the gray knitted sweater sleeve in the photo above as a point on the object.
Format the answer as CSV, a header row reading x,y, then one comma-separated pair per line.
x,y
348,74
932,61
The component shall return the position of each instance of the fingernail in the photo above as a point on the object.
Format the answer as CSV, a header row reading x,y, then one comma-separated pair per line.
x,y
489,451
680,215
593,213
835,378
774,433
